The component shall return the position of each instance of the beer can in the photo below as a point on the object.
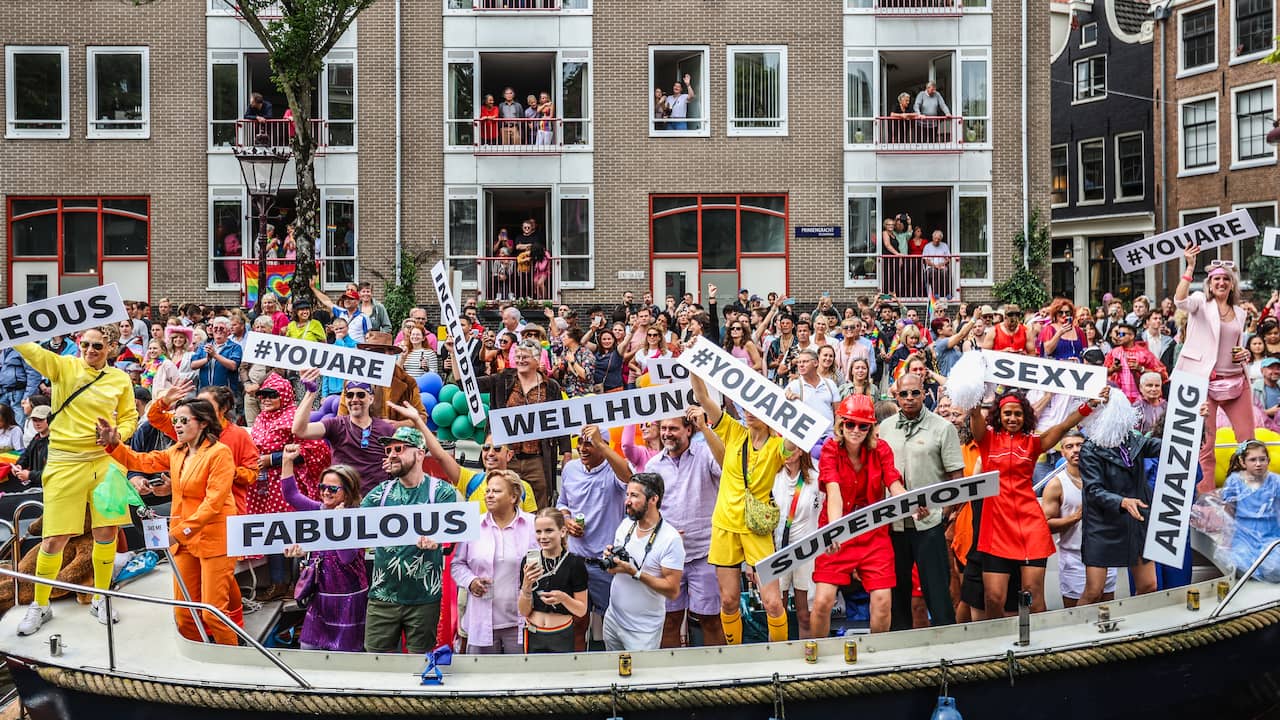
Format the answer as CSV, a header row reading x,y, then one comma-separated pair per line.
x,y
1223,588
1104,613
581,520
850,652
624,664
811,652
1193,599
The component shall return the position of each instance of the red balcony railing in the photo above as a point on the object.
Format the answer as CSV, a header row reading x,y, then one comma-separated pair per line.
x,y
516,5
919,8
910,277
278,132
514,278
518,136
920,134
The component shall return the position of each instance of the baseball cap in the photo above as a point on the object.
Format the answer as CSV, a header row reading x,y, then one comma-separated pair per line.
x,y
1268,362
41,412
407,435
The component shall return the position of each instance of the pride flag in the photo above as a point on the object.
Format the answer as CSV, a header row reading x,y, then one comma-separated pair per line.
x,y
278,277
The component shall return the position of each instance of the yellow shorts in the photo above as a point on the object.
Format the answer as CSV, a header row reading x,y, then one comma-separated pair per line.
x,y
730,549
68,489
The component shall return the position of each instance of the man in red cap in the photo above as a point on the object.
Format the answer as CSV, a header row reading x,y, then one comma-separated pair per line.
x,y
856,469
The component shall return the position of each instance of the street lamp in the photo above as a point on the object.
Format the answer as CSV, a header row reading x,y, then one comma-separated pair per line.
x,y
262,167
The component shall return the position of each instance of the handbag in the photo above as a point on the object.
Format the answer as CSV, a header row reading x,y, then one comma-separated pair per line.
x,y
308,582
761,517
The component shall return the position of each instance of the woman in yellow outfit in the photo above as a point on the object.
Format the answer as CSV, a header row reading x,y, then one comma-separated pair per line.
x,y
84,389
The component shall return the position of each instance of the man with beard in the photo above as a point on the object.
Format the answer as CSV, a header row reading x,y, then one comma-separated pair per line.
x,y
353,437
1063,504
404,588
642,584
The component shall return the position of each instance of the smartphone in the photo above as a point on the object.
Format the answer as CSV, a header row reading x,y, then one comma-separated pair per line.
x,y
789,301
156,482
886,296
532,557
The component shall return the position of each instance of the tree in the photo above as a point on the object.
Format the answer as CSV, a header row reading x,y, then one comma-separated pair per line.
x,y
1026,286
297,35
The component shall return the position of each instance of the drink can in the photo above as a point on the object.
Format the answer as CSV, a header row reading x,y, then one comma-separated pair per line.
x,y
811,652
1193,599
581,520
1223,588
624,664
850,652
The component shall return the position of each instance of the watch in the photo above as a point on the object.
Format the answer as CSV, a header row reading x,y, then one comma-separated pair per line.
x,y
636,574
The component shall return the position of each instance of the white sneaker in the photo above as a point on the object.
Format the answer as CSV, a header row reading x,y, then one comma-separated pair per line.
x,y
36,616
98,609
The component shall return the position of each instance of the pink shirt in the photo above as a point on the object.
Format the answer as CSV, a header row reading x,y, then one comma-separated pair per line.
x,y
1229,332
497,555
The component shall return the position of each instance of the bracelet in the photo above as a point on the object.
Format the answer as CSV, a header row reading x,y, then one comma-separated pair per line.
x,y
310,386
1084,409
1188,277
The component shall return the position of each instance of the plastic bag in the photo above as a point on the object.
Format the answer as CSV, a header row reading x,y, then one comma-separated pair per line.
x,y
113,496
1237,544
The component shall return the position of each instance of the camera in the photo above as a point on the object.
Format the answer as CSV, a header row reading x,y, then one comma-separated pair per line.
x,y
606,563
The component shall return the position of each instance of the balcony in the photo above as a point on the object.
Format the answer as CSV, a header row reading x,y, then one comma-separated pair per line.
x,y
507,278
919,8
518,136
910,278
912,134
516,5
278,133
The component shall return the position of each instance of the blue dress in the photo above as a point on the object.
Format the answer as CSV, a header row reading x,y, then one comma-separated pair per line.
x,y
1257,523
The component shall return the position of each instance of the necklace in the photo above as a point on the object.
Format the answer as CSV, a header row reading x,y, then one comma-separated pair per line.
x,y
550,569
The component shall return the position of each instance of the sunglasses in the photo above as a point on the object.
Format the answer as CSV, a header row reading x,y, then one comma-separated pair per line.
x,y
846,327
1064,312
85,345
181,419
851,425
329,489
1229,265
393,449
267,394
364,435
653,335
489,447
356,394
909,393
1122,333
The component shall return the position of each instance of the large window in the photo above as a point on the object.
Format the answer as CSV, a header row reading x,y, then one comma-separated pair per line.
x,y
1198,47
78,242
1264,216
472,77
1130,167
340,98
1093,171
235,75
973,99
1254,109
681,74
119,102
757,90
860,115
1091,78
730,240
1058,176
1254,28
1199,121
863,239
37,100
975,234
339,254
575,237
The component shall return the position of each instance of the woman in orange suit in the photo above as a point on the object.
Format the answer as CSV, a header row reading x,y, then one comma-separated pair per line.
x,y
202,472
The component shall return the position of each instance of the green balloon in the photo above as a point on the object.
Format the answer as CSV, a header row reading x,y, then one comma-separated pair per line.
x,y
484,399
443,435
461,427
443,415
447,392
459,403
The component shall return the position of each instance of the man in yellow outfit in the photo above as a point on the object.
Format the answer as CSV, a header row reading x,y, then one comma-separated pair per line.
x,y
84,389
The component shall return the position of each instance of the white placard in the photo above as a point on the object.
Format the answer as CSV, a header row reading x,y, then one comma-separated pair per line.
x,y
352,528
665,370
458,343
332,360
752,391
61,315
568,417
1271,242
155,532
1037,373
1170,513
1220,230
866,519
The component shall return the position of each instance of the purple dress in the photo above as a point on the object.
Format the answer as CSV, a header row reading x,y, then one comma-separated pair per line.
x,y
335,618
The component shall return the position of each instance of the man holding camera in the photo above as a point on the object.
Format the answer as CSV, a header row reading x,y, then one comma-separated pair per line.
x,y
646,560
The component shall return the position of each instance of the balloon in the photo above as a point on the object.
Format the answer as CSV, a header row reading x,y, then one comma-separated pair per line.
x,y
431,424
1227,436
484,399
317,415
443,413
428,402
447,392
430,383
460,403
443,435
330,404
461,427
644,381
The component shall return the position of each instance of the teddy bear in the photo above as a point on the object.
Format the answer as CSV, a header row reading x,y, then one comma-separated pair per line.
x,y
77,567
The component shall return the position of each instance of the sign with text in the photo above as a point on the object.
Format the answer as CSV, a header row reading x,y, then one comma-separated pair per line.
x,y
666,370
346,363
866,519
817,231
1271,242
155,532
568,417
1036,373
352,528
753,392
61,315
457,343
1170,514
1211,233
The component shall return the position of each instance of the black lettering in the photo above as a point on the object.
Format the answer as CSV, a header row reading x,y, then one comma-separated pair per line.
x,y
297,355
672,401
733,378
1235,227
1166,539
337,362
767,404
516,424
804,551
1171,514
13,328
1081,378
780,565
278,532
831,534
1188,396
1027,372
432,527
252,530
1003,369
1052,376
1218,231
803,424
101,307
1183,427
616,410
43,320
859,523
752,391
1202,236
915,500
337,528
883,513
589,416
73,314
362,529
307,530
355,366
401,526
455,522
944,496
786,413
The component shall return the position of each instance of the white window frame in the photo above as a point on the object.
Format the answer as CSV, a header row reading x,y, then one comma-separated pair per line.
x,y
1087,43
472,12
1118,195
961,56
1183,171
1240,59
963,191
1076,99
702,93
1236,162
563,57
868,139
730,129
222,56
1080,199
56,133
341,57
464,192
1242,263
573,192
91,77
341,194
227,194
1183,70
862,193
1066,149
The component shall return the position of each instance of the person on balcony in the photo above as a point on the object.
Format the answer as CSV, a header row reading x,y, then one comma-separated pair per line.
x,y
488,126
509,109
902,114
936,274
546,110
929,104
530,114
678,103
259,109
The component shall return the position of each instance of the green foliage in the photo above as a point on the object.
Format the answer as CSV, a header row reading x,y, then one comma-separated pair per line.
x,y
1264,273
399,298
1027,286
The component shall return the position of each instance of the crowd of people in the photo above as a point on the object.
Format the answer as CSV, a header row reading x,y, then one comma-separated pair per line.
x,y
654,529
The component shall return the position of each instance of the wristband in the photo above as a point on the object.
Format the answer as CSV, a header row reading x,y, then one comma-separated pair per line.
x,y
310,386
1084,409
1188,277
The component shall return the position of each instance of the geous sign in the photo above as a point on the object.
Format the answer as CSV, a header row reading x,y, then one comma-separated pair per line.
x,y
61,315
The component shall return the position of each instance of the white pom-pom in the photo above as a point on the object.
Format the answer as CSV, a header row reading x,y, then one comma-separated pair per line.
x,y
1109,426
967,382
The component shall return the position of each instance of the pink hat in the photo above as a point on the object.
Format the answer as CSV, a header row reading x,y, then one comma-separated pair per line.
x,y
171,330
1217,270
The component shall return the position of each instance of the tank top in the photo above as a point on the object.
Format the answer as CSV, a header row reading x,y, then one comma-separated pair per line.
x,y
741,353
1072,500
1010,342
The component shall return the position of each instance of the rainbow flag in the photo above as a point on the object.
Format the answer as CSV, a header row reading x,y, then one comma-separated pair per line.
x,y
278,277
7,459
931,309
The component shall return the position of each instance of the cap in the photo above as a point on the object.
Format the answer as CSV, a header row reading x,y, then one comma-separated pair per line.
x,y
41,412
407,435
743,290
986,310
531,328
1268,362
351,295
359,385
378,341
858,408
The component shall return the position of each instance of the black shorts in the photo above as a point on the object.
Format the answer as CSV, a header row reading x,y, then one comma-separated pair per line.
x,y
972,591
1005,566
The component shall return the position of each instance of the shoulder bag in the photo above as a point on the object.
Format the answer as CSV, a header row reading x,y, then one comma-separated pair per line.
x,y
761,517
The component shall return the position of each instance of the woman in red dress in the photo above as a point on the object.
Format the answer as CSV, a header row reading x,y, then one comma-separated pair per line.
x,y
1014,535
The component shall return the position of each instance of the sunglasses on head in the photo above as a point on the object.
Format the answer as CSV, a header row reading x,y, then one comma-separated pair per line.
x,y
1229,265
267,394
851,425
355,394
85,345
329,489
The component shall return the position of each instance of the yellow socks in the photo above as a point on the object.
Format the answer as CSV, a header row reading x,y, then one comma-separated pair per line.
x,y
777,628
104,557
47,567
732,625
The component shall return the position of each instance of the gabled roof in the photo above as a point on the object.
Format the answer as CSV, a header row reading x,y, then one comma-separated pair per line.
x,y
1130,14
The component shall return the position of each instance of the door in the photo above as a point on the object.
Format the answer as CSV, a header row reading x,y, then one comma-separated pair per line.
x,y
940,74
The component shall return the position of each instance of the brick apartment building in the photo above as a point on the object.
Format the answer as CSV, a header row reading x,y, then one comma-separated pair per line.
x,y
116,161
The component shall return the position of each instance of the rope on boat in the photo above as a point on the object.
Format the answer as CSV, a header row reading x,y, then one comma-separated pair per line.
x,y
603,701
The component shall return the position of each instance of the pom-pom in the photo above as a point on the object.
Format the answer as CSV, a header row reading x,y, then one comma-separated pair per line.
x,y
1109,426
966,385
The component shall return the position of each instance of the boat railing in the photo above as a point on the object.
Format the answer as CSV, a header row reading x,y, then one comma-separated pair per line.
x,y
108,595
19,536
1240,581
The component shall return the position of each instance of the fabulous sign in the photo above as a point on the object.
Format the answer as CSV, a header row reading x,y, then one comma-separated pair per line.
x,y
1169,523
568,417
866,519
1035,373
457,343
753,392
352,528
346,363
61,315
1211,233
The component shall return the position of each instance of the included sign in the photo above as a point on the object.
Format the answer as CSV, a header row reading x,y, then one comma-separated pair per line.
x,y
1170,514
1036,373
458,343
346,363
1220,230
817,231
61,315
1271,242
753,392
352,528
866,519
568,417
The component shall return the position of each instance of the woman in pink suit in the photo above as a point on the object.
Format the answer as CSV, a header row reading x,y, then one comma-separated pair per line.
x,y
1211,347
